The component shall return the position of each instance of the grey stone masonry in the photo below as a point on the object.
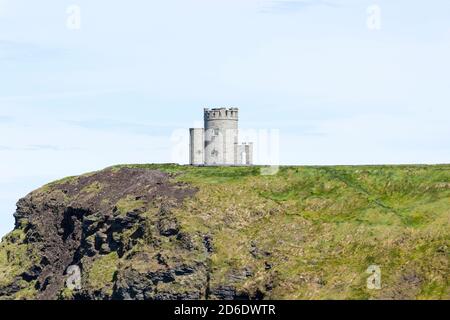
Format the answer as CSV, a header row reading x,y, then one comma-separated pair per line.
x,y
218,142
196,148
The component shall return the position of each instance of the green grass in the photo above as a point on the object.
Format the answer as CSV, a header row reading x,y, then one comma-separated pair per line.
x,y
325,225
16,257
94,188
101,273
321,228
207,174
128,204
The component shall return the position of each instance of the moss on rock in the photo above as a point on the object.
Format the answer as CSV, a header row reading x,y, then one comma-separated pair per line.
x,y
100,274
170,232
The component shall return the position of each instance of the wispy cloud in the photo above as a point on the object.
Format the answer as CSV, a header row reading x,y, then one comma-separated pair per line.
x,y
22,51
5,119
286,6
60,95
152,129
41,147
36,147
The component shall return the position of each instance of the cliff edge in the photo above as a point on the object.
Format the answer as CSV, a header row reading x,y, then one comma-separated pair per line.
x,y
181,232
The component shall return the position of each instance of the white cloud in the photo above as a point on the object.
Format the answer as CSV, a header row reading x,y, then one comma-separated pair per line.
x,y
52,147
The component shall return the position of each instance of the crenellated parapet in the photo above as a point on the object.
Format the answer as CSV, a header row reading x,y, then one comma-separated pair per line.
x,y
221,114
217,142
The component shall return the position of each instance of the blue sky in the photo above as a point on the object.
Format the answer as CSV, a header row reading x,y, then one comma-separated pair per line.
x,y
127,84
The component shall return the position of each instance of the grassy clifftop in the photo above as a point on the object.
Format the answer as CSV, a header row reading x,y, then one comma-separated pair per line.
x,y
303,233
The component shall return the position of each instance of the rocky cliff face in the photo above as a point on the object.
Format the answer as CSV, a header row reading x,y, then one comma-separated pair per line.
x,y
202,233
97,222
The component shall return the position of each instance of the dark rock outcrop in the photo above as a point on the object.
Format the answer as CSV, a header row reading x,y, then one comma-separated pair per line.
x,y
118,227
181,232
81,220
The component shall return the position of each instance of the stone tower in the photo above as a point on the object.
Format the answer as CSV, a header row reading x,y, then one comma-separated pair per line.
x,y
221,136
218,142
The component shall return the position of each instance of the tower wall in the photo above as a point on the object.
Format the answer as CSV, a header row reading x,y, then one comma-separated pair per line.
x,y
249,153
221,136
239,154
244,154
196,149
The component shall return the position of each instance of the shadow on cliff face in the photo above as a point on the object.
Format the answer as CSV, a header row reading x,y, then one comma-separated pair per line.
x,y
145,232
118,228
83,219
